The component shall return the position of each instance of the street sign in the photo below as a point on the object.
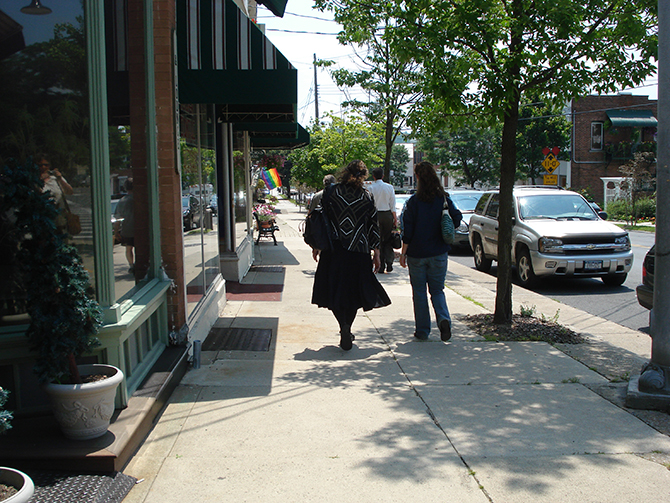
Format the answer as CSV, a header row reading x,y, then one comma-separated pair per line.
x,y
550,163
551,179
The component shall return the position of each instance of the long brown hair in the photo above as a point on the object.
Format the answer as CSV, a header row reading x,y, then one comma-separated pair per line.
x,y
354,174
428,183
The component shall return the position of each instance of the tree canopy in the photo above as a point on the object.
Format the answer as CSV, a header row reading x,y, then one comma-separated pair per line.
x,y
470,153
333,145
481,57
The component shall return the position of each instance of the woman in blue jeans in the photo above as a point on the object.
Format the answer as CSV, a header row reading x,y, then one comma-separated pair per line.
x,y
425,252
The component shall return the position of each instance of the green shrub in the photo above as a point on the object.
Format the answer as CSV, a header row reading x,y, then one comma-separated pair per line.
x,y
645,209
622,209
619,210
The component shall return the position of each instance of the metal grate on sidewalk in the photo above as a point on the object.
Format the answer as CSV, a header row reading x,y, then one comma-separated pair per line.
x,y
61,487
238,339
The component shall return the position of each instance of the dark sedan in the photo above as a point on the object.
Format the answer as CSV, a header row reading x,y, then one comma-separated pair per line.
x,y
645,291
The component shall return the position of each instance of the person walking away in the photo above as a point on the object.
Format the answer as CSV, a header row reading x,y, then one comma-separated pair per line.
x,y
384,196
328,180
345,278
126,210
425,252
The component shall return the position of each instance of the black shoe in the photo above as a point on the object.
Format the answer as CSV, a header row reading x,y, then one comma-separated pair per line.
x,y
445,330
389,268
421,337
380,271
346,341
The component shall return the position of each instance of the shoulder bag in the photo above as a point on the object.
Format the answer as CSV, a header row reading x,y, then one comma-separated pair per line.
x,y
318,231
448,230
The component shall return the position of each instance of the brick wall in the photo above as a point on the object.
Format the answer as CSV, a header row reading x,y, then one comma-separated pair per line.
x,y
589,166
169,180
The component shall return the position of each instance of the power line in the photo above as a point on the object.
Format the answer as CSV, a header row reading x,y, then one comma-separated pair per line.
x,y
302,32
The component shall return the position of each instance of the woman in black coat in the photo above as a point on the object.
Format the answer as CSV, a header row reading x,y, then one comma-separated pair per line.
x,y
345,278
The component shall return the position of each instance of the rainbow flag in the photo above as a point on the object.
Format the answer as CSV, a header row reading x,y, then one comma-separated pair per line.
x,y
271,178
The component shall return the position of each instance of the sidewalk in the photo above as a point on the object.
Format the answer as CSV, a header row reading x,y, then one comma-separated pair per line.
x,y
397,419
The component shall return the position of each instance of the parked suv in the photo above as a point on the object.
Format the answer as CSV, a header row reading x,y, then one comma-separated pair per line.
x,y
555,233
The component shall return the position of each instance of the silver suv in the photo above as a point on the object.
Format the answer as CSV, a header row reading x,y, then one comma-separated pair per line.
x,y
555,232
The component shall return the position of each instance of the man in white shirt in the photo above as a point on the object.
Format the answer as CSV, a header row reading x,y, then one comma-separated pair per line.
x,y
384,197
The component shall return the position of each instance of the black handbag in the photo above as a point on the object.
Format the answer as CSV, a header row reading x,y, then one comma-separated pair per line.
x,y
318,231
396,240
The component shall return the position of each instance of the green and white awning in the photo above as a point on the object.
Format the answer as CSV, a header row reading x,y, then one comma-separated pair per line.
x,y
632,118
225,59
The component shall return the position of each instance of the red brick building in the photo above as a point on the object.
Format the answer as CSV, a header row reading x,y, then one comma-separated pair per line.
x,y
606,132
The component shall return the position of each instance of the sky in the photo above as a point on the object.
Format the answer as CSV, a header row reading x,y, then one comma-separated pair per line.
x,y
304,32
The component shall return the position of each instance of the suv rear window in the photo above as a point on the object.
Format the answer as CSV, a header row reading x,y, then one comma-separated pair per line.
x,y
481,204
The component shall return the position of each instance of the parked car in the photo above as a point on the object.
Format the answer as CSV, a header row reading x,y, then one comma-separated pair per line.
x,y
466,201
555,232
191,211
400,200
645,291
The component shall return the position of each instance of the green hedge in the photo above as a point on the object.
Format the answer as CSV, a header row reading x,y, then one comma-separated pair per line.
x,y
621,209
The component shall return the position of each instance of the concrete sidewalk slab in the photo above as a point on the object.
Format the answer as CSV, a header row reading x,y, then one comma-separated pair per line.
x,y
595,478
537,420
490,363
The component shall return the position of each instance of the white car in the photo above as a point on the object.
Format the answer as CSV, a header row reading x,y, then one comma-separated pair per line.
x,y
555,233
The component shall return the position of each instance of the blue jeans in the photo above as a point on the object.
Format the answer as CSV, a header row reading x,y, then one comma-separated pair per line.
x,y
431,272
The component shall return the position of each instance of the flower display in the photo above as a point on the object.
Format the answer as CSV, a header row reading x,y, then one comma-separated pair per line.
x,y
265,212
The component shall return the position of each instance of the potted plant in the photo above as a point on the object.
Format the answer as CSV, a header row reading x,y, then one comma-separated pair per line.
x,y
15,486
64,316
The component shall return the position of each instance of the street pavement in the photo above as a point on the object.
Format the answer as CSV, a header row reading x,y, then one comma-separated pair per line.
x,y
398,419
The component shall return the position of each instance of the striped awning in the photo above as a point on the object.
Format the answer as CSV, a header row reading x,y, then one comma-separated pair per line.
x,y
632,118
225,59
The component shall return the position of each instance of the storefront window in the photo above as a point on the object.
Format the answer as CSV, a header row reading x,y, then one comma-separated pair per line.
x,y
240,197
45,117
199,200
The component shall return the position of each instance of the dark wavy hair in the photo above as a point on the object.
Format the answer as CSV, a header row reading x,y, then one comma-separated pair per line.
x,y
354,174
428,183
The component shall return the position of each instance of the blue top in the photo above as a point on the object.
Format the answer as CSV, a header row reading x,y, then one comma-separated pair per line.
x,y
422,227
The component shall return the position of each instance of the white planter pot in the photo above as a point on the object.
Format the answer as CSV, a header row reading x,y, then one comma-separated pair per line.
x,y
21,481
83,411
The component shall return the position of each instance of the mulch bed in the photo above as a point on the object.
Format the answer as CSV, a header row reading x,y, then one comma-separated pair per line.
x,y
522,328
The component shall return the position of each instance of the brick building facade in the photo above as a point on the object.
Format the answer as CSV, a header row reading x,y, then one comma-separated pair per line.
x,y
606,131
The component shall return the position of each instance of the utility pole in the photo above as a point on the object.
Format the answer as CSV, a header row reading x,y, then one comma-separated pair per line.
x,y
316,93
652,389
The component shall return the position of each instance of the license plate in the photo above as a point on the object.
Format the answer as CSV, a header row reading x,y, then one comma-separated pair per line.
x,y
590,265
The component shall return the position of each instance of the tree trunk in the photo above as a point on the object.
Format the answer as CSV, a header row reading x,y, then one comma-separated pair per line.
x,y
503,306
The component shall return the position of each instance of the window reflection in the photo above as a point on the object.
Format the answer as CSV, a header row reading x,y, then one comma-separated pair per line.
x,y
44,110
199,201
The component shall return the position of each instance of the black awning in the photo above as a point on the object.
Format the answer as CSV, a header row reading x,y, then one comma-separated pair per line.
x,y
225,59
277,7
632,118
11,36
274,136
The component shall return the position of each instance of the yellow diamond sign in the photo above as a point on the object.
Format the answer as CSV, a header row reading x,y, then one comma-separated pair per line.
x,y
550,163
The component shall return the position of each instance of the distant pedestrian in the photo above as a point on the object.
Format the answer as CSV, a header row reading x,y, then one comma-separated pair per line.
x,y
384,196
425,252
345,278
328,180
126,210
